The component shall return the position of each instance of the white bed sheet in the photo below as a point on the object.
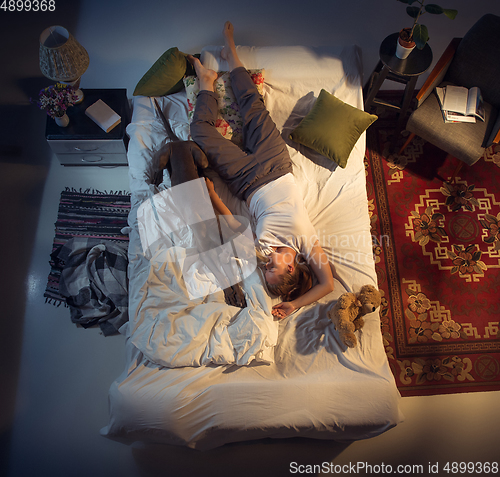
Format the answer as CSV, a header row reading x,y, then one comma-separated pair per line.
x,y
315,387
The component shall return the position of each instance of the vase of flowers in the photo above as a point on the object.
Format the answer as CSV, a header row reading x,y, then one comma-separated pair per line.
x,y
56,99
62,121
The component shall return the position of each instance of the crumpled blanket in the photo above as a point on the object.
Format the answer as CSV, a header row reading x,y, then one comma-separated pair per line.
x,y
94,282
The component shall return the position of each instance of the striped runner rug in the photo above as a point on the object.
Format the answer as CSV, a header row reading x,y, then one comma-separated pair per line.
x,y
91,214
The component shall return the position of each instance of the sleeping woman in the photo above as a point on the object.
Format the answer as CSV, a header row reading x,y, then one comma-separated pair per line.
x,y
262,175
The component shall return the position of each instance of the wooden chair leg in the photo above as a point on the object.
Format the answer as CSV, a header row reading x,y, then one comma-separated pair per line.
x,y
457,170
410,139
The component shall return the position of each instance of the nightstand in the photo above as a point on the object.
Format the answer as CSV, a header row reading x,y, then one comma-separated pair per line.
x,y
83,142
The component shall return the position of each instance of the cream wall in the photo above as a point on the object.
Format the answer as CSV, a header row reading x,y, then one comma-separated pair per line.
x,y
121,50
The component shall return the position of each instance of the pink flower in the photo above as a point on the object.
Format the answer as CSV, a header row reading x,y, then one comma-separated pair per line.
x,y
55,99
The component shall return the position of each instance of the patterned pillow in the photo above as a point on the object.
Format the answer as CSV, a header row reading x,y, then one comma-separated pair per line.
x,y
229,121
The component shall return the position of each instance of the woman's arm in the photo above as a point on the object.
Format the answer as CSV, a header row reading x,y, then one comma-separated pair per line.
x,y
318,261
220,207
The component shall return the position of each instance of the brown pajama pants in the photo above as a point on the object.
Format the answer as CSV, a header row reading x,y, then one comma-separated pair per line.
x,y
265,156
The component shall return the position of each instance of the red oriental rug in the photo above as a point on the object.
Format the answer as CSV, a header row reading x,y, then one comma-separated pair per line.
x,y
437,252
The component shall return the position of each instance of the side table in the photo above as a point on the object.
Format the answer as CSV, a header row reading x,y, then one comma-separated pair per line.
x,y
83,142
390,67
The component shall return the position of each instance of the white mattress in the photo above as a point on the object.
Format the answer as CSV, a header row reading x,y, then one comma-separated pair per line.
x,y
306,382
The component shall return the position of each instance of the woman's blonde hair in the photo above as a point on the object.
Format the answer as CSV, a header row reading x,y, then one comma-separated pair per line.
x,y
291,284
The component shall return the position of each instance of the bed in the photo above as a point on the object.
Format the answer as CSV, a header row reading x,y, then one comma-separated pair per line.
x,y
202,373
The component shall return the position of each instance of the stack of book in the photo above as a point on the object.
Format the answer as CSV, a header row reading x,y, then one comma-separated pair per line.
x,y
460,105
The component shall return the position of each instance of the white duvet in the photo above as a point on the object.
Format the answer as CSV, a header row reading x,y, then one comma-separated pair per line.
x,y
181,318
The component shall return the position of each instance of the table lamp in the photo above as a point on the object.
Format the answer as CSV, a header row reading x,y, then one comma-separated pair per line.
x,y
62,58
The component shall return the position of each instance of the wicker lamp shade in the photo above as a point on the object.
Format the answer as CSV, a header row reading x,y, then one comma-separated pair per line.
x,y
62,58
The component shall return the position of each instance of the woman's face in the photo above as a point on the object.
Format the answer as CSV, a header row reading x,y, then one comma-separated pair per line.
x,y
281,260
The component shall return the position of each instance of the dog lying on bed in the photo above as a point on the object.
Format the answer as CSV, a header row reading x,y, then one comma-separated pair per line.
x,y
184,161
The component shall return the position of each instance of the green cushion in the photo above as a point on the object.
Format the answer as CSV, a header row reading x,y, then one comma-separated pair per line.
x,y
332,128
165,76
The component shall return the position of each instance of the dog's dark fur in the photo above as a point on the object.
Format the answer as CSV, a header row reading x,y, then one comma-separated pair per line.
x,y
184,160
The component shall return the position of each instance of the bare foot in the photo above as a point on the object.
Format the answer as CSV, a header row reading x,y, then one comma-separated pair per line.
x,y
229,53
206,77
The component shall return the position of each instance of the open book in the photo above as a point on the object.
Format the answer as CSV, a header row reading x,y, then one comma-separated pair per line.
x,y
460,104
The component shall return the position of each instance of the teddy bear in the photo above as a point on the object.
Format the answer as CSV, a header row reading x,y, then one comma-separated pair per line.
x,y
347,313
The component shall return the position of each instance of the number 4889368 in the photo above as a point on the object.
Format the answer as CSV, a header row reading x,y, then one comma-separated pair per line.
x,y
28,5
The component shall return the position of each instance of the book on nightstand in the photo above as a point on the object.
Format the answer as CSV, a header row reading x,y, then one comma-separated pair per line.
x,y
103,115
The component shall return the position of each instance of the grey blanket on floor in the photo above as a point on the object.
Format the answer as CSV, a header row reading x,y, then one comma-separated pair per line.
x,y
94,282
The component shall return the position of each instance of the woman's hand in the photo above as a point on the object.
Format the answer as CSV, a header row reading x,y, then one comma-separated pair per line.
x,y
283,309
210,187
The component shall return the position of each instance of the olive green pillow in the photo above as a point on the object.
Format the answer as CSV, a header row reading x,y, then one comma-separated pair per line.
x,y
165,76
332,128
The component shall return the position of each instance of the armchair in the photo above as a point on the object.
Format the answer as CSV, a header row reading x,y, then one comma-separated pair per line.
x,y
470,61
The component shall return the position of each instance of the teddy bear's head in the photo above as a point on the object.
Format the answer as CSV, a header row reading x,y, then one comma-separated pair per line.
x,y
370,299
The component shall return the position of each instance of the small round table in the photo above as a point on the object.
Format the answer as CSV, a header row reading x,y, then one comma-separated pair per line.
x,y
390,67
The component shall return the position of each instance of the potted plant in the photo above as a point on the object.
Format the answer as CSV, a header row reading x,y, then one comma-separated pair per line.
x,y
418,35
56,99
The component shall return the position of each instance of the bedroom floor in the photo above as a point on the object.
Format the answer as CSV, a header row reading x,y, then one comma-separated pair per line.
x,y
56,376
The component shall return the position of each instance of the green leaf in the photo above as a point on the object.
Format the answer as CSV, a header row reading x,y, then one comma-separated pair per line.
x,y
420,35
450,13
434,9
413,11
